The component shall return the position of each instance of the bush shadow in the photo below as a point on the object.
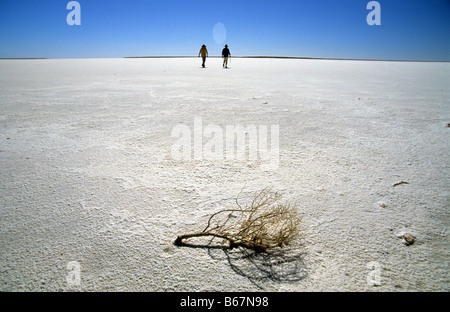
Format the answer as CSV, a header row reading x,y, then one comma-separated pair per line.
x,y
277,265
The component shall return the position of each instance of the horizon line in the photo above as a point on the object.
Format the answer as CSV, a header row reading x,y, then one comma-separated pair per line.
x,y
300,58
251,56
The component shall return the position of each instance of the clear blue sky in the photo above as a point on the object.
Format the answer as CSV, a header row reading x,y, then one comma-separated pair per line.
x,y
410,29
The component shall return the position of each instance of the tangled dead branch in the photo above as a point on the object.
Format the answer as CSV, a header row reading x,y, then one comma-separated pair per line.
x,y
253,239
262,225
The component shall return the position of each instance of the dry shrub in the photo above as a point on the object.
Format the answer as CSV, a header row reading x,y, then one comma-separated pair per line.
x,y
264,224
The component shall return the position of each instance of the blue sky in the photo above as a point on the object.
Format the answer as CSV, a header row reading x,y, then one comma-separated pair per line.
x,y
409,30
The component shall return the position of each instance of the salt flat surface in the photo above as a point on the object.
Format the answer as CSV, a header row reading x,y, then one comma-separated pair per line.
x,y
88,177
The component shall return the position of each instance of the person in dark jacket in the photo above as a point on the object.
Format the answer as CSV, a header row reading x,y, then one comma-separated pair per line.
x,y
225,54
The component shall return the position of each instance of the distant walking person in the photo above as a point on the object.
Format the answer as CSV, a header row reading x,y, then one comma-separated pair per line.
x,y
204,53
225,54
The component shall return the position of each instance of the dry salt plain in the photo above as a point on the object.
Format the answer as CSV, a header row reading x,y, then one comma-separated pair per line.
x,y
92,192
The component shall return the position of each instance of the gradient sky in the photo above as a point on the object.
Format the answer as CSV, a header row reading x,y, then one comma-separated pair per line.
x,y
410,29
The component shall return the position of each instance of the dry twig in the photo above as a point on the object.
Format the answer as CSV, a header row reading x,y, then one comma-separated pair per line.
x,y
266,223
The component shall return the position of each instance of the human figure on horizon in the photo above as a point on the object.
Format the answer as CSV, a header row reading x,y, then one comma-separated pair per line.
x,y
204,53
225,54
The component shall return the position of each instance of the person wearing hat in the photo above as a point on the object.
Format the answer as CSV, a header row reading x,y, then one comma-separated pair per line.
x,y
204,53
225,54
